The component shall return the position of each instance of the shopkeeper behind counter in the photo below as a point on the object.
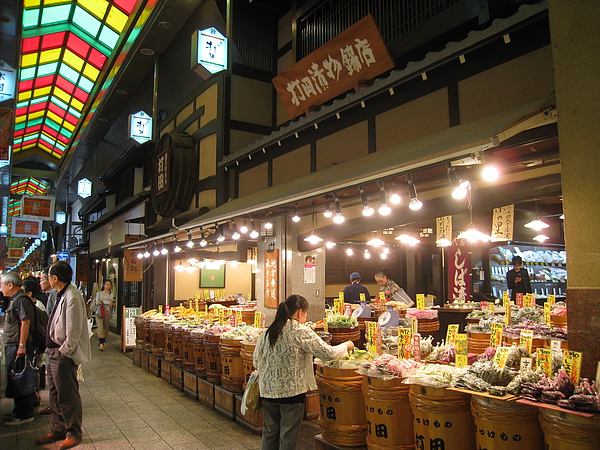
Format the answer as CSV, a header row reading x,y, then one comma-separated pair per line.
x,y
517,279
354,289
386,284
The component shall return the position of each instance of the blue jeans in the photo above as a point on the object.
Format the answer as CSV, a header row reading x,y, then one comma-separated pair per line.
x,y
282,424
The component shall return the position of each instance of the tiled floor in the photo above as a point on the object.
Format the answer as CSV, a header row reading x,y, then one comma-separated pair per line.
x,y
126,407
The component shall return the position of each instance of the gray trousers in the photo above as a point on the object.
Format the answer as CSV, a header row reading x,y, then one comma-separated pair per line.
x,y
65,401
282,424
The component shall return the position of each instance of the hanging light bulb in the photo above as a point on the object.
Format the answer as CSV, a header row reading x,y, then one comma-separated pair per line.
x,y
414,203
375,242
367,254
349,252
367,210
330,244
338,218
244,227
146,253
163,250
327,212
472,234
177,248
296,217
235,235
541,238
139,255
313,238
189,243
253,234
408,239
490,172
443,242
384,209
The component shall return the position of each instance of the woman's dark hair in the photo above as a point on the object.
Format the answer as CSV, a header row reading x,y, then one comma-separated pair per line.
x,y
285,310
62,270
104,282
30,284
387,272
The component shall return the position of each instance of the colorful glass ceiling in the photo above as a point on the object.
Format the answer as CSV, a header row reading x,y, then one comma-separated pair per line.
x,y
65,47
29,186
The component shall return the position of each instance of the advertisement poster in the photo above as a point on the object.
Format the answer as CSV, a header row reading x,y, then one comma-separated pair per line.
x,y
459,281
38,207
310,269
30,228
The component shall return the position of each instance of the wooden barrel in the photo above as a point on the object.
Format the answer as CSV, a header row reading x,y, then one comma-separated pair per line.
x,y
342,418
441,418
343,334
478,342
140,332
388,414
168,338
362,326
472,320
566,431
563,344
147,334
535,342
232,375
247,353
429,327
158,337
199,352
247,314
503,425
213,358
188,350
178,345
558,321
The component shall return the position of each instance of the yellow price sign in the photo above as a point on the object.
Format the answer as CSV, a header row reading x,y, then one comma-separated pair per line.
x,y
206,294
404,343
544,360
325,325
206,308
526,339
257,319
414,325
338,306
552,299
547,316
501,356
211,317
197,295
372,331
492,307
461,343
341,295
382,297
496,336
461,360
451,333
507,310
362,297
238,317
420,301
160,309
572,365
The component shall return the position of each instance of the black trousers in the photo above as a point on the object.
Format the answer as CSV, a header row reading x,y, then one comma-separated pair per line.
x,y
65,401
23,403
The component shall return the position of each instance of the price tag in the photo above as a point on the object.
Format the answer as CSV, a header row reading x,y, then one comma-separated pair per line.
x,y
420,301
404,343
572,365
552,299
238,317
196,304
257,319
378,338
492,307
461,360
338,306
197,295
547,317
206,308
505,296
544,360
555,344
507,310
361,297
414,325
221,313
211,317
461,343
341,295
526,363
232,320
168,311
206,296
328,312
417,347
526,339
451,333
501,356
222,293
325,325
496,336
372,330
519,299
160,309
382,298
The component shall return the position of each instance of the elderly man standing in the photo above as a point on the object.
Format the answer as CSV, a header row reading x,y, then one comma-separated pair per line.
x,y
68,344
17,343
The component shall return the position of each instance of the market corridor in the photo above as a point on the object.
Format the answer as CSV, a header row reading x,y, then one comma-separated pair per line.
x,y
126,407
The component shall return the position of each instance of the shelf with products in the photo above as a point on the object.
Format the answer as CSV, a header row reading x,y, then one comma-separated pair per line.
x,y
547,267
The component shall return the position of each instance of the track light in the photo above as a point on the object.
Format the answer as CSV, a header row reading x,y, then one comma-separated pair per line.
x,y
327,212
139,255
490,172
338,218
155,252
235,235
367,210
189,243
384,209
177,248
415,203
395,197
146,253
244,227
203,242
253,233
349,252
163,250
296,217
459,185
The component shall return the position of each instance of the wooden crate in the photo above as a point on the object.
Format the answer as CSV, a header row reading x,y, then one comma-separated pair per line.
x,y
322,444
177,377
144,360
137,357
154,365
225,402
165,371
312,405
252,420
190,384
206,392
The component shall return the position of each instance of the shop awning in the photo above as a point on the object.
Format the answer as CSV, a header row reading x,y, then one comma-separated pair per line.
x,y
453,143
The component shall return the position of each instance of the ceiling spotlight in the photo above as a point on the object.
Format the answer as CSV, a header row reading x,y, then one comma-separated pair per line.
x,y
155,252
244,227
395,197
376,242
327,212
490,172
220,237
349,252
177,248
203,242
414,203
235,235
541,238
268,224
367,210
189,243
139,255
536,225
146,254
253,234
384,209
163,250
459,185
338,218
367,254
296,217
330,244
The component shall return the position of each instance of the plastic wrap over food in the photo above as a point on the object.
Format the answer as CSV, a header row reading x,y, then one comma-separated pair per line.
x,y
422,313
353,361
387,367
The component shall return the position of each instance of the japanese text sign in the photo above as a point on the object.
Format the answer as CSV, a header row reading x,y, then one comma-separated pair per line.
x,y
502,223
272,279
496,336
354,56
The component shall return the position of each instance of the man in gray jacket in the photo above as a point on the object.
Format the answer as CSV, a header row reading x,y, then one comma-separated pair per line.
x,y
68,344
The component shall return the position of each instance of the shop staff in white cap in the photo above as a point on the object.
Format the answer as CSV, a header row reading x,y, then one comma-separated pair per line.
x,y
354,289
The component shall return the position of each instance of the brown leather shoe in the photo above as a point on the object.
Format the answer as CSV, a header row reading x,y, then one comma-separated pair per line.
x,y
50,437
70,442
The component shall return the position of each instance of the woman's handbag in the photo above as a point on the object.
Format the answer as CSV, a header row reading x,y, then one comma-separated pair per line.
x,y
23,377
251,398
102,310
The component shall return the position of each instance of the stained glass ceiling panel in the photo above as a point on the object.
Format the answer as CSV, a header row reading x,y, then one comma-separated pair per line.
x,y
29,186
66,46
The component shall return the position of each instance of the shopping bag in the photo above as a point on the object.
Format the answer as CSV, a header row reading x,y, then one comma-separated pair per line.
x,y
23,377
102,310
90,326
251,398
402,297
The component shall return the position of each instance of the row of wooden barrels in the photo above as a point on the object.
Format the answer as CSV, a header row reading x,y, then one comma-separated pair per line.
x,y
388,414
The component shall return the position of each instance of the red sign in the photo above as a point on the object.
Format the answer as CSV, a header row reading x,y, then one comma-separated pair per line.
x,y
348,60
459,280
41,207
26,227
15,253
272,279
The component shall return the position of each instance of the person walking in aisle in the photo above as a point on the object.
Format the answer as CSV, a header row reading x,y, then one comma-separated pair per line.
x,y
284,358
354,289
103,304
68,344
17,343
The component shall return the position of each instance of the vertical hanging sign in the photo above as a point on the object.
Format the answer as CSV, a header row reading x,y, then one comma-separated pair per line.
x,y
272,279
459,279
140,127
209,52
502,223
133,266
443,231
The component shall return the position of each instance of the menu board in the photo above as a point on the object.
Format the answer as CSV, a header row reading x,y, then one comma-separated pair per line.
x,y
128,332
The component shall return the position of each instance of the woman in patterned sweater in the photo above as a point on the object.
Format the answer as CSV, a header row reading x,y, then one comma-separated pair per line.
x,y
284,359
